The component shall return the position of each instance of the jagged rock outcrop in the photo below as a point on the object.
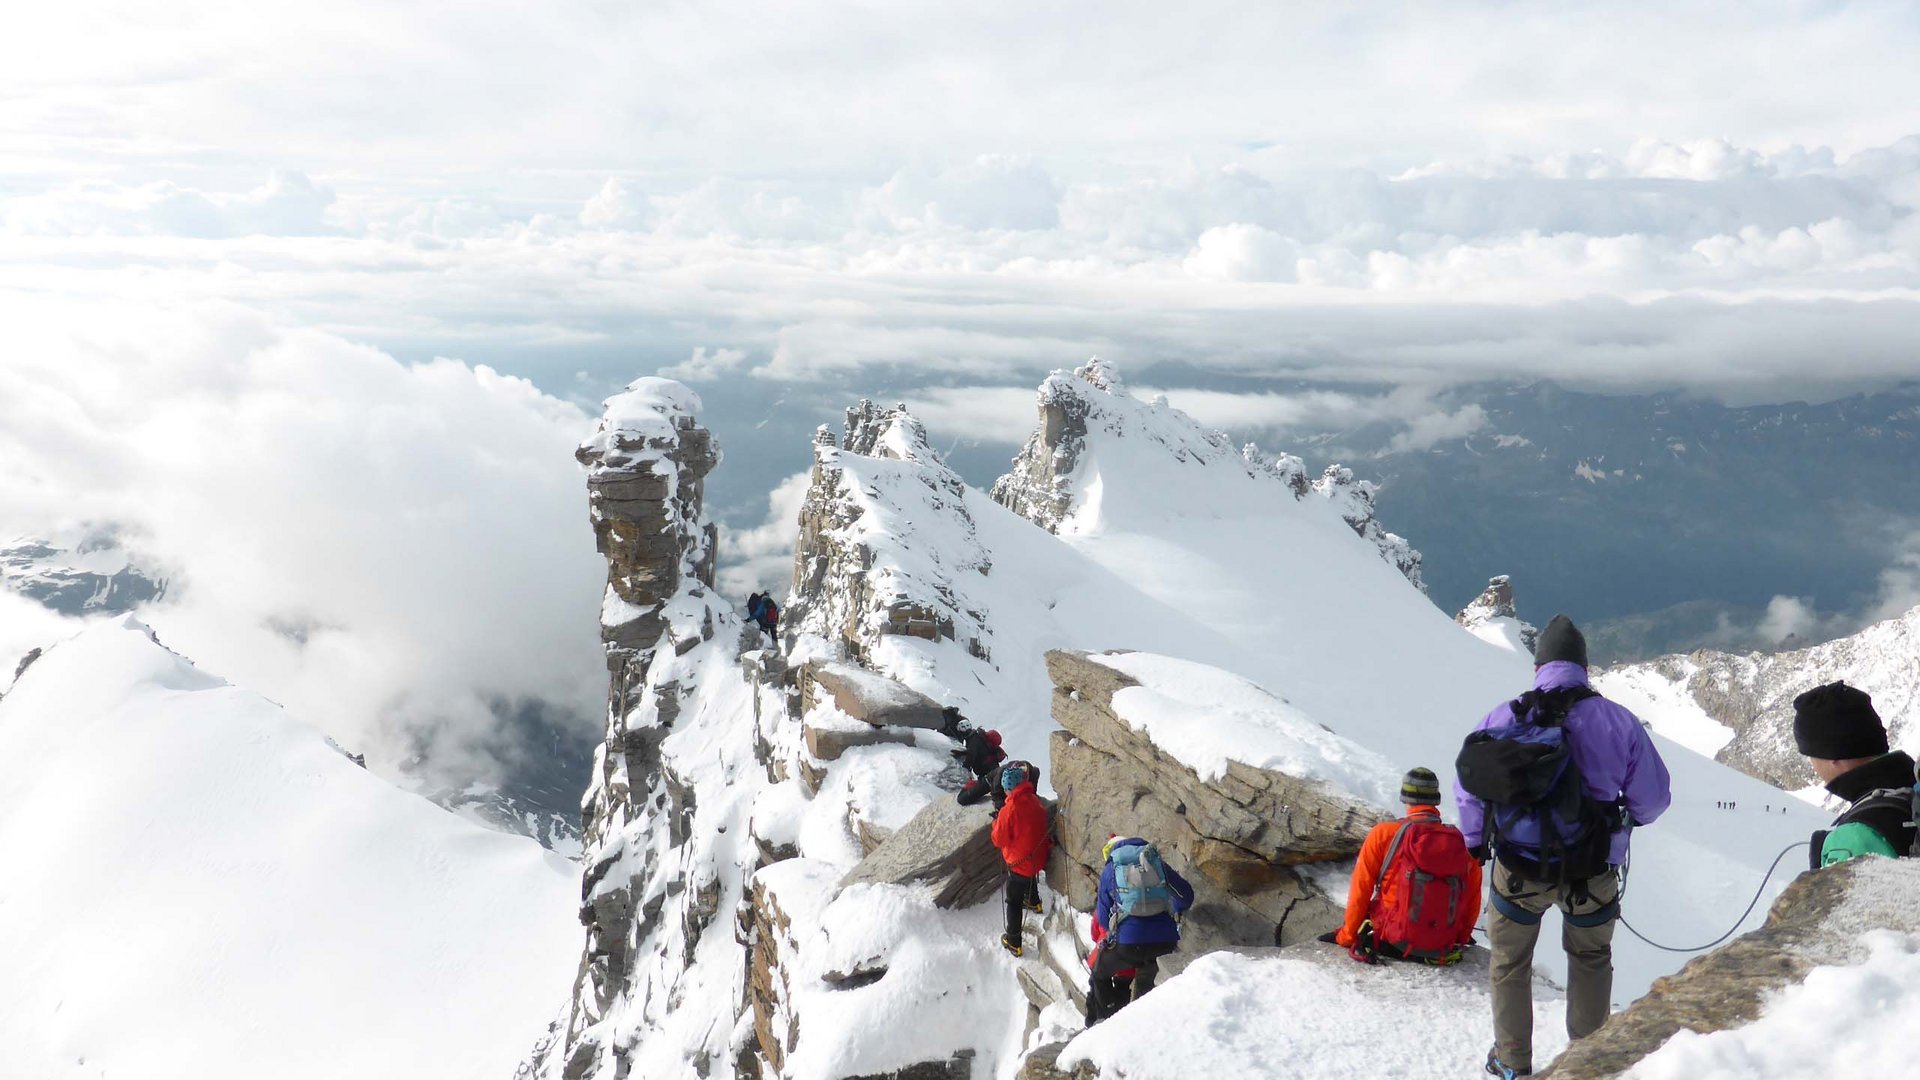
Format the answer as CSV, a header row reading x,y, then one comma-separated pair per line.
x,y
656,880
1354,499
1243,835
1752,694
845,588
1493,617
1041,485
1817,921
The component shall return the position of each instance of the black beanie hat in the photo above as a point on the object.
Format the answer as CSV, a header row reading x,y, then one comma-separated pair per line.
x,y
1420,787
1561,640
1837,722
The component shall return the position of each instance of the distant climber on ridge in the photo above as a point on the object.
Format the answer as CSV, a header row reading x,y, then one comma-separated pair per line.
x,y
1836,727
1021,833
1550,784
1415,893
1140,902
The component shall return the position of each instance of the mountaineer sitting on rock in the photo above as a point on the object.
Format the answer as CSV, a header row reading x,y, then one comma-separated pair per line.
x,y
1836,727
1140,902
1020,832
1415,893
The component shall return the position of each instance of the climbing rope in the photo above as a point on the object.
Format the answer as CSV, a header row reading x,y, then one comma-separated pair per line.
x,y
1751,904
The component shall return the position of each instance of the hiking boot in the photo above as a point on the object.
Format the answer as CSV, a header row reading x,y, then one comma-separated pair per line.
x,y
1034,906
1011,945
1496,1068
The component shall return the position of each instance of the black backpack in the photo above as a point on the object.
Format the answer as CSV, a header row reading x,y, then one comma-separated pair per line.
x,y
1541,821
1893,808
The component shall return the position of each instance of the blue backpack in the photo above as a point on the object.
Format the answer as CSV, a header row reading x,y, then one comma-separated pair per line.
x,y
1541,821
1139,884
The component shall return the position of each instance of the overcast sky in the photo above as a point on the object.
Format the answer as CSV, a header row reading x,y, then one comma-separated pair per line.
x,y
213,211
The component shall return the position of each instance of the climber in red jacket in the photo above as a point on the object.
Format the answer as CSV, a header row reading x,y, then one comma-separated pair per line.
x,y
1020,832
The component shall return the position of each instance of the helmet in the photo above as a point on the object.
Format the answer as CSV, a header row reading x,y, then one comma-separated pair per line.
x,y
1012,777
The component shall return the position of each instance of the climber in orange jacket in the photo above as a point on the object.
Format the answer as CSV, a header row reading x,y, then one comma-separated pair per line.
x,y
1020,832
1423,904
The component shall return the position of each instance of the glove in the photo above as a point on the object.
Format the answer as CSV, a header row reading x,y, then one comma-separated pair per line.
x,y
1480,853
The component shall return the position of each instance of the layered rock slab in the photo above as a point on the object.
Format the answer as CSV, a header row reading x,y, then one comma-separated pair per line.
x,y
1243,836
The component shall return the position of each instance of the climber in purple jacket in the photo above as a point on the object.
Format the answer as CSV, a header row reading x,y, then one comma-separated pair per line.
x,y
1626,785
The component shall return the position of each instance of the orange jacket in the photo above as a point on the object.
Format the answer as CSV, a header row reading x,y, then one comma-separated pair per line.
x,y
1367,871
1020,832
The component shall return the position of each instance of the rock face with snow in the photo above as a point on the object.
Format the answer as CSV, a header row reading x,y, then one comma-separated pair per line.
x,y
1243,835
1739,708
658,878
1492,617
1819,921
1355,500
843,590
93,577
1052,478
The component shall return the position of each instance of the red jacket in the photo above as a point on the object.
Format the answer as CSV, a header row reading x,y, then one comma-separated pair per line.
x,y
1020,832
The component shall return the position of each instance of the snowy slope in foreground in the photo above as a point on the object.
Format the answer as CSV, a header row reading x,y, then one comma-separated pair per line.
x,y
194,885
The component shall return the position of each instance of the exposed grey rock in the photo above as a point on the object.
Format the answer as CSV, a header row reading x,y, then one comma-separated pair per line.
x,y
1816,922
827,743
1496,602
1240,836
94,576
946,844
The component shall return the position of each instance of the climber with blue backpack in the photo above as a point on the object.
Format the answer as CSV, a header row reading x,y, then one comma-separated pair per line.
x,y
1549,786
1140,902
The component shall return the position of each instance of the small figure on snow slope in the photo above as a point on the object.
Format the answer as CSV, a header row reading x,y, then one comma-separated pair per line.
x,y
1415,893
1021,833
1549,784
1836,727
1140,902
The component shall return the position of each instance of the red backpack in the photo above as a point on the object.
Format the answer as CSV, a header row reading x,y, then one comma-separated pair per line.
x,y
1419,898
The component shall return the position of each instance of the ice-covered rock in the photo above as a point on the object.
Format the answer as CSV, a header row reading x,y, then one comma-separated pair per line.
x,y
947,846
92,574
1491,617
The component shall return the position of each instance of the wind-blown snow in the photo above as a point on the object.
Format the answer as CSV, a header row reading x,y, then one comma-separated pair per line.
x,y
1206,717
195,885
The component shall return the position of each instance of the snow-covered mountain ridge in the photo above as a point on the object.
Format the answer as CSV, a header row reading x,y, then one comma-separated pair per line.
x,y
1739,708
778,886
196,885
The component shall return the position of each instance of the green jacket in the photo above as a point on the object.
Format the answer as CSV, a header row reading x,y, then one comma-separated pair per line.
x,y
1872,824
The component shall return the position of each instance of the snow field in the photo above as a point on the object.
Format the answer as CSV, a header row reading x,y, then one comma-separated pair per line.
x,y
197,886
1310,1011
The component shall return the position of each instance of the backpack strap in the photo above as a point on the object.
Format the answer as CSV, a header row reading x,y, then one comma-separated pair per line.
x,y
1379,879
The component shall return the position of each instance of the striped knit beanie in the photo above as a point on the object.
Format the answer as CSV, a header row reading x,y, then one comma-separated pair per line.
x,y
1420,787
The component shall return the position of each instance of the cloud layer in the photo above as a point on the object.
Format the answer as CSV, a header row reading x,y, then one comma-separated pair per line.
x,y
344,533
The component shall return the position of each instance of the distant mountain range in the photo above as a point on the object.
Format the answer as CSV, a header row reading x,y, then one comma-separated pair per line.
x,y
1616,507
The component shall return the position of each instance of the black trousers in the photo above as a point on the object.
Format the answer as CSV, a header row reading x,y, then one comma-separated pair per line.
x,y
1021,891
1106,993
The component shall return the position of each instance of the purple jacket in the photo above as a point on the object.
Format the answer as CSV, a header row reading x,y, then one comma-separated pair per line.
x,y
1616,757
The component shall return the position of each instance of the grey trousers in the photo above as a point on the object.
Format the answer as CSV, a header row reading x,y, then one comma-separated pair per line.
x,y
1589,960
